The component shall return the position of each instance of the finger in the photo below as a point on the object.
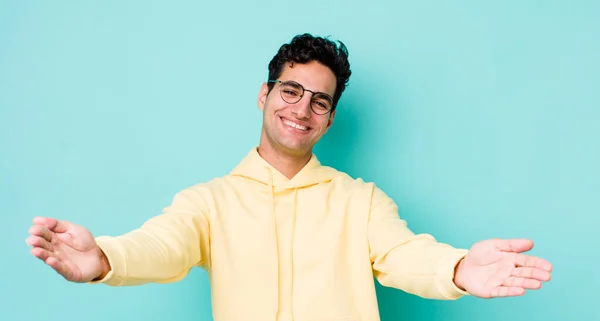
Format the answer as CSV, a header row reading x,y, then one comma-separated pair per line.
x,y
53,262
59,226
504,291
42,231
59,267
515,245
41,253
532,261
522,283
51,223
531,273
38,241
46,221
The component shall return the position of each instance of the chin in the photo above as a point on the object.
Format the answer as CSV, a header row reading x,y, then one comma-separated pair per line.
x,y
297,149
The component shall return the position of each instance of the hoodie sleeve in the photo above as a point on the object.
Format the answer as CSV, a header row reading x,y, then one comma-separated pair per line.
x,y
164,248
416,264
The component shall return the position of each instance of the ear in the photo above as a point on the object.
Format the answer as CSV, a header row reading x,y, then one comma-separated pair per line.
x,y
262,96
331,116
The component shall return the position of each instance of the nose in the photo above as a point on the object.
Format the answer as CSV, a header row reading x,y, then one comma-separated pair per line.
x,y
302,109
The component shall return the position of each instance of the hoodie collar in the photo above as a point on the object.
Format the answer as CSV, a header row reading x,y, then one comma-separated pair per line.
x,y
254,167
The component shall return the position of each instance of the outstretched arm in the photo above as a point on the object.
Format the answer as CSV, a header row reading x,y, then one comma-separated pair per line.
x,y
162,250
420,265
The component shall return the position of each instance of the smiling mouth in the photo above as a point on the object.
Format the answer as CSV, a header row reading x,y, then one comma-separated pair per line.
x,y
291,124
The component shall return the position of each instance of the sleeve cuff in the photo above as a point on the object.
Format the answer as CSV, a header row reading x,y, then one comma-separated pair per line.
x,y
116,258
446,272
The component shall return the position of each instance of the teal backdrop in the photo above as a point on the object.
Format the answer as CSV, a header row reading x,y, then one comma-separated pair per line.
x,y
480,118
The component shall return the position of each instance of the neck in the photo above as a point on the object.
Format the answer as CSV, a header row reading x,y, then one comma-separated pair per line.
x,y
287,164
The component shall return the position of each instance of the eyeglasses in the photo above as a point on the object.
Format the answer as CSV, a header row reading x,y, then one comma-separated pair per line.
x,y
291,92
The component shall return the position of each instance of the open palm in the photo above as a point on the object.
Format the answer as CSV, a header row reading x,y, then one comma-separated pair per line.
x,y
68,248
497,268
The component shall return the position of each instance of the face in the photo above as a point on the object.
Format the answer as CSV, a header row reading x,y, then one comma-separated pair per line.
x,y
294,128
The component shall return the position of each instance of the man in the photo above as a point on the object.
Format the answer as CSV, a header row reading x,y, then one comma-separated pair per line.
x,y
283,237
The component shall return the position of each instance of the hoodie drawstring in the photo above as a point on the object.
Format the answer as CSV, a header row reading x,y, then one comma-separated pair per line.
x,y
274,215
293,234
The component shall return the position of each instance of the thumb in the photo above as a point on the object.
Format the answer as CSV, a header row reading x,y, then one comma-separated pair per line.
x,y
515,245
54,225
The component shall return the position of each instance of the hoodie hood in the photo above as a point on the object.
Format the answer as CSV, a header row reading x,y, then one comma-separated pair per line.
x,y
254,167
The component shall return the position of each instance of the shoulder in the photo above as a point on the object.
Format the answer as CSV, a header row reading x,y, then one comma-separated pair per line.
x,y
359,186
353,184
200,194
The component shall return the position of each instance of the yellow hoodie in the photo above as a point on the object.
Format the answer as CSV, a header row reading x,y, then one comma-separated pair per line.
x,y
304,249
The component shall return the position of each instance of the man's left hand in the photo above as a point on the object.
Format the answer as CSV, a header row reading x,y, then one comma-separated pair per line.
x,y
496,268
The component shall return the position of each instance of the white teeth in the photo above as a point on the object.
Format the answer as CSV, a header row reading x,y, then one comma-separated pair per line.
x,y
297,126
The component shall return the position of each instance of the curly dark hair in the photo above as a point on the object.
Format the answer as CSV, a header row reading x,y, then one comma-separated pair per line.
x,y
305,48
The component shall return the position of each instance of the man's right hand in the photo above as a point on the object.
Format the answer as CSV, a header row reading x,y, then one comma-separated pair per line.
x,y
69,249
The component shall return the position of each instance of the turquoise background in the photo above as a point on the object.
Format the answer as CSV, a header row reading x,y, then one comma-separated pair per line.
x,y
481,119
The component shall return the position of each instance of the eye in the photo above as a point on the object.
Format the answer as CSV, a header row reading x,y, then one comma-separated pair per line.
x,y
321,105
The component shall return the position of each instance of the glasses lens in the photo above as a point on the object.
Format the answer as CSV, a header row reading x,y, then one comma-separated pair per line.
x,y
321,104
291,92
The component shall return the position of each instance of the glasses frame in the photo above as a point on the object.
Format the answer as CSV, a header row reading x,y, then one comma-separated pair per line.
x,y
302,95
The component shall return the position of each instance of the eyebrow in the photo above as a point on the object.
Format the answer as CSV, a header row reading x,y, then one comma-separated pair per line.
x,y
322,95
316,93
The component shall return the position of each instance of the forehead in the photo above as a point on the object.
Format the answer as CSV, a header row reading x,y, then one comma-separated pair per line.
x,y
313,76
